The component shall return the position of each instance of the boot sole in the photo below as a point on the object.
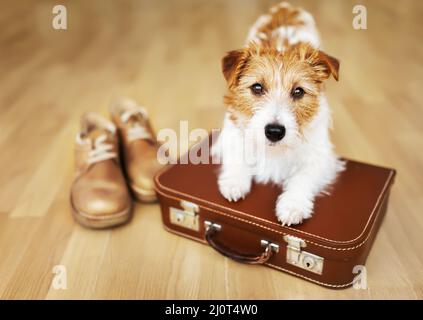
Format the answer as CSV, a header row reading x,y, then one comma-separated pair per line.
x,y
95,222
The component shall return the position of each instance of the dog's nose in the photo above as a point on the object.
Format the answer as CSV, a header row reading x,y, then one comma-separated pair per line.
x,y
274,132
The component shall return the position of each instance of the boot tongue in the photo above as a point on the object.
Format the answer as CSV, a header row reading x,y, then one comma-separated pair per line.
x,y
132,117
134,120
96,133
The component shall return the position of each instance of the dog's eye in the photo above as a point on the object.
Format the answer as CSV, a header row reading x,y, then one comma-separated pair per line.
x,y
297,93
257,89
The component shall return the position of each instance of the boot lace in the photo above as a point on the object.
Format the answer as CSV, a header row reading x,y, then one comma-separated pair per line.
x,y
101,150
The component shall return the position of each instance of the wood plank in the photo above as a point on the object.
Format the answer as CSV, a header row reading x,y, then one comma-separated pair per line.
x,y
167,56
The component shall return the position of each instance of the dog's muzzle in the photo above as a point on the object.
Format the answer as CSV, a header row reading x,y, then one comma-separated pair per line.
x,y
274,132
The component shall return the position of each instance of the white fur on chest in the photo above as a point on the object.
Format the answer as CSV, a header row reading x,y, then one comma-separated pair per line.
x,y
276,165
278,162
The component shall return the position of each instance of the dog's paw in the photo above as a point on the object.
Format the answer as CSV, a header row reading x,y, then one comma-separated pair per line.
x,y
234,188
293,210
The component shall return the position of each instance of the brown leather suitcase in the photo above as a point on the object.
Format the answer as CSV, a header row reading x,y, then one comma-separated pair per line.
x,y
324,249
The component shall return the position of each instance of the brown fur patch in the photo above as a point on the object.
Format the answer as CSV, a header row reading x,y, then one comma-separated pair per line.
x,y
233,64
232,116
280,15
279,72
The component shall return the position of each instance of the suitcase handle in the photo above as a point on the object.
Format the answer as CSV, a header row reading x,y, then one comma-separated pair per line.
x,y
212,229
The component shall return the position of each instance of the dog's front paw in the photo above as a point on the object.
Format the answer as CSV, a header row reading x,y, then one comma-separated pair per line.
x,y
234,188
293,210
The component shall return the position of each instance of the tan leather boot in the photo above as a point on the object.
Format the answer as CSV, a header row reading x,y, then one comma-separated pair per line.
x,y
99,195
139,148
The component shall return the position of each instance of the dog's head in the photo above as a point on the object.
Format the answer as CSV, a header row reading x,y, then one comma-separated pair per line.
x,y
276,92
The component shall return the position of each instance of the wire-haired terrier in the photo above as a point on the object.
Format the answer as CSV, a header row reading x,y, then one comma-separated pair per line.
x,y
275,88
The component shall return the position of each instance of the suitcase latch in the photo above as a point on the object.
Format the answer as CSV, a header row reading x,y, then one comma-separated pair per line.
x,y
186,217
302,259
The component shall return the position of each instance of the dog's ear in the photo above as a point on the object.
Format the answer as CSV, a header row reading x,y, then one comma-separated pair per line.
x,y
233,64
330,63
323,64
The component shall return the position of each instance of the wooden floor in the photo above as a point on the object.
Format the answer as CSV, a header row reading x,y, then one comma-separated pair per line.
x,y
166,54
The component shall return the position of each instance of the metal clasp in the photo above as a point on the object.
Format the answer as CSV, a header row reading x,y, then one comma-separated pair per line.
x,y
208,224
302,259
273,246
187,217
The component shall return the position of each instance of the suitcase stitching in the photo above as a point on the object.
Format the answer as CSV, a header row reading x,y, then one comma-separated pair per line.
x,y
374,209
279,232
268,264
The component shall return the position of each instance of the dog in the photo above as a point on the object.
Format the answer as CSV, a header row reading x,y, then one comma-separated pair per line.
x,y
275,90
